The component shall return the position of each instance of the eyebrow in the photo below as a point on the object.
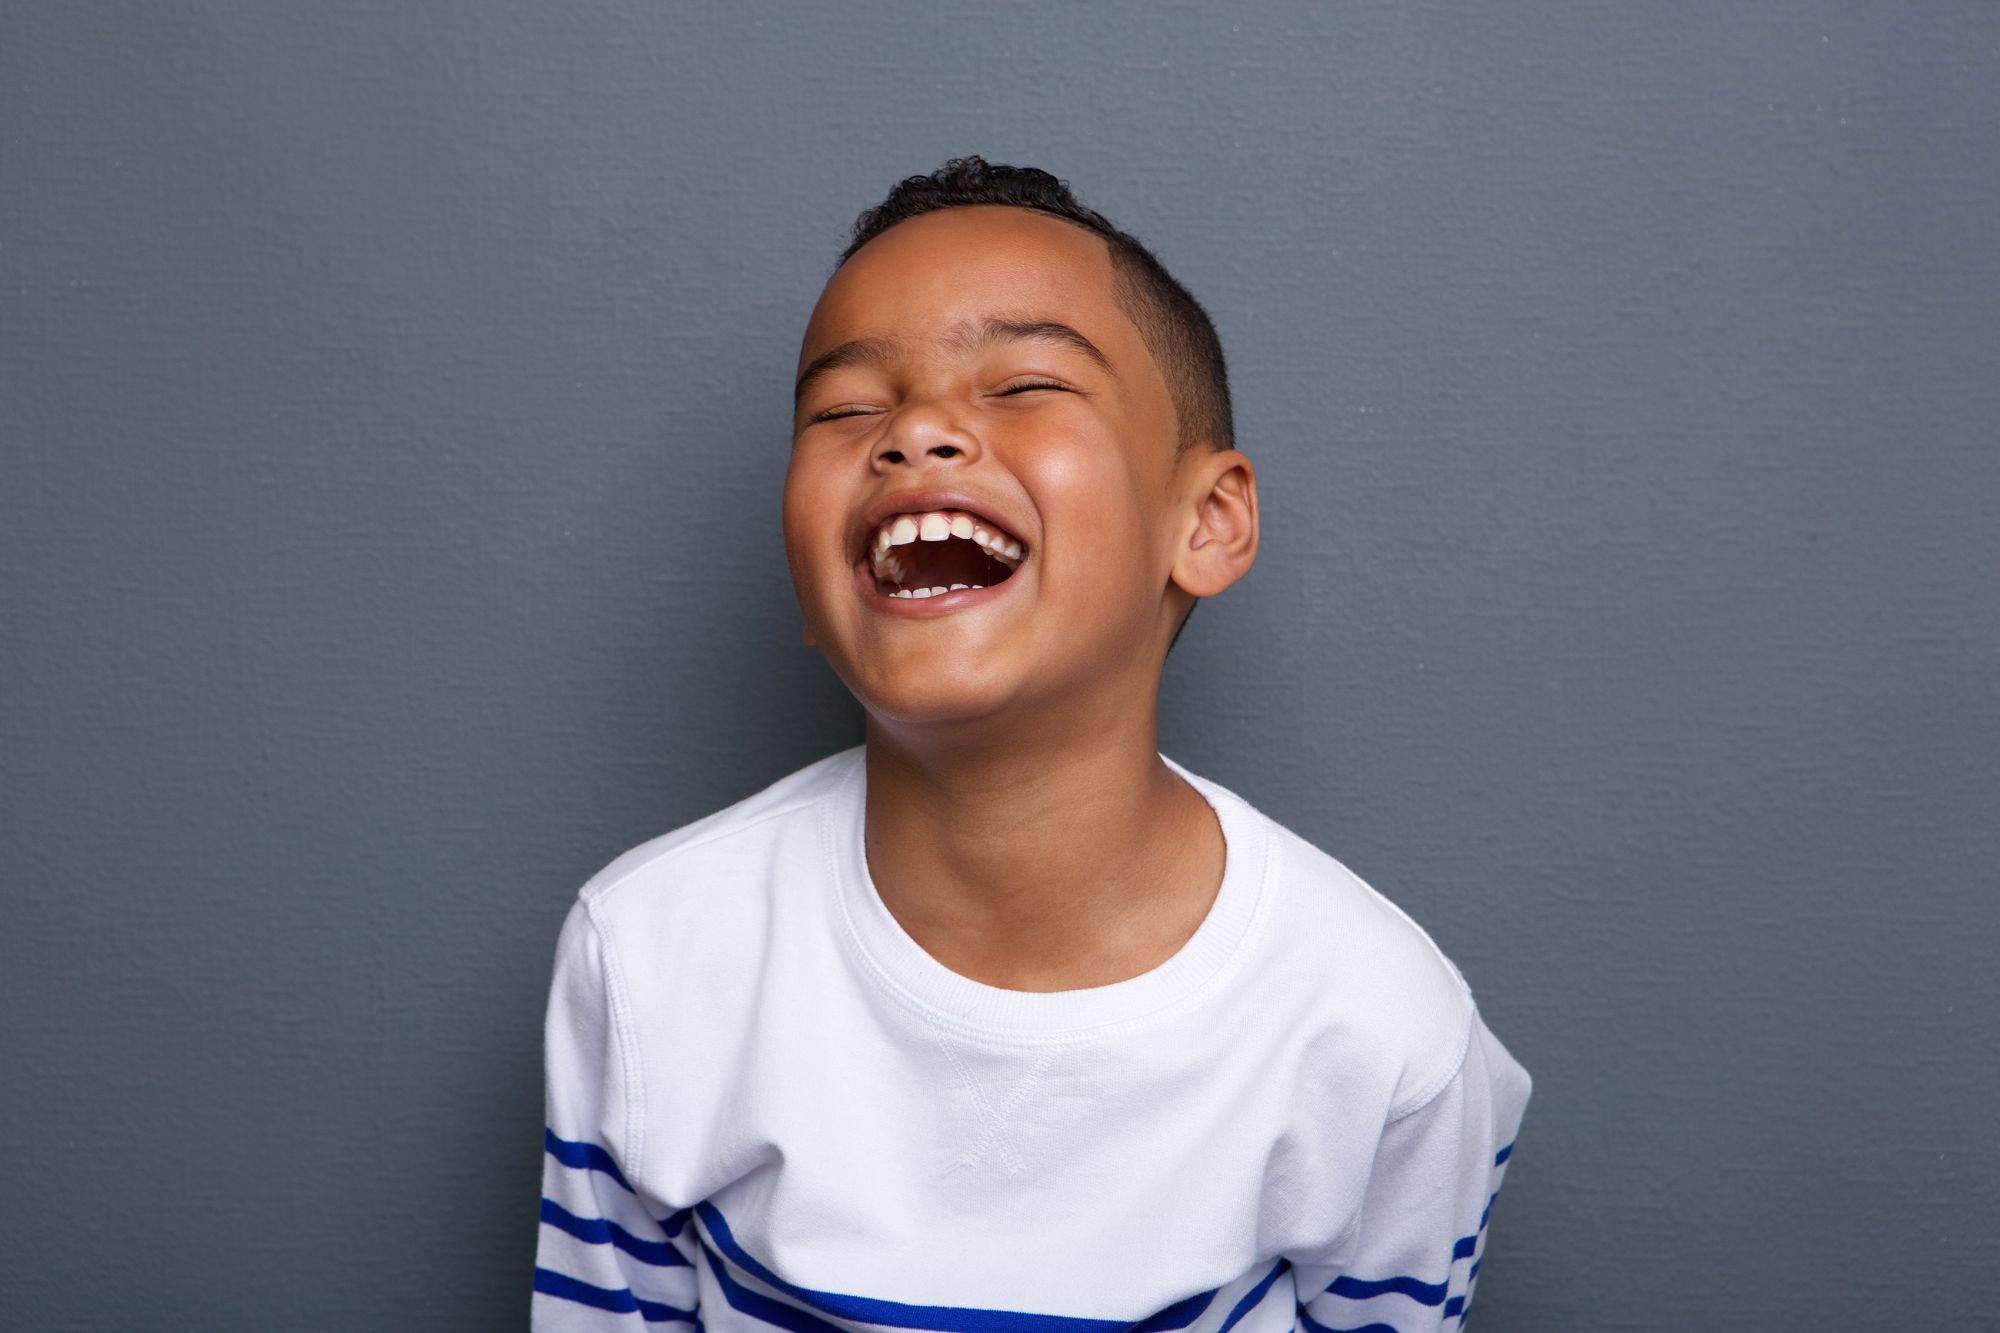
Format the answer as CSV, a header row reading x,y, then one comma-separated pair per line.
x,y
961,338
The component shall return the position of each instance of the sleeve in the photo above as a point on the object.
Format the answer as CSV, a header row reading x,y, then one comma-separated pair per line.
x,y
603,1261
1411,1255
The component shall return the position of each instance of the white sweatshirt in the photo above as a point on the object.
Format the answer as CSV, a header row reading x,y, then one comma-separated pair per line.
x,y
769,1107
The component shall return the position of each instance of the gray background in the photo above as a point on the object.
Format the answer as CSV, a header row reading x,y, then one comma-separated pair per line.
x,y
395,401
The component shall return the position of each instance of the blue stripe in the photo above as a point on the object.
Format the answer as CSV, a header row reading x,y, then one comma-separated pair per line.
x,y
1355,1289
935,1317
1453,1306
583,1156
621,1301
1314,1326
763,1307
896,1314
1252,1297
1501,1157
603,1231
1178,1315
756,1304
1424,1293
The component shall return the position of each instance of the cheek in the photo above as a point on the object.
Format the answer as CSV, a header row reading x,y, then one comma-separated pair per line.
x,y
810,514
1101,545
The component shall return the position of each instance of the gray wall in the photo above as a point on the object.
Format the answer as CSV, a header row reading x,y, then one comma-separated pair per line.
x,y
394,404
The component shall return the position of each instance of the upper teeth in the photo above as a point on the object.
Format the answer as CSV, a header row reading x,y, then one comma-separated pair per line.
x,y
937,524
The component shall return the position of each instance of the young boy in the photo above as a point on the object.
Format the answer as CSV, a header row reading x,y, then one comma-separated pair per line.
x,y
1004,1020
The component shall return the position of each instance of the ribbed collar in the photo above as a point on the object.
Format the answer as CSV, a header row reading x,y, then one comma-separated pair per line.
x,y
899,962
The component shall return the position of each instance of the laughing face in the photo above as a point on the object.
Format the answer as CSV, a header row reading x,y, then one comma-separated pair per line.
x,y
984,514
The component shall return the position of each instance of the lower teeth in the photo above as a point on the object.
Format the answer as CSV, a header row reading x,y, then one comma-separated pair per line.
x,y
933,592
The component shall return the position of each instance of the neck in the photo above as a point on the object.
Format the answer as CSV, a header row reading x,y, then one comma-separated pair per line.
x,y
1039,861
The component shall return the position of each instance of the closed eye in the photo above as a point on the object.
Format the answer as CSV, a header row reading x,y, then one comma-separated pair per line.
x,y
1031,384
836,414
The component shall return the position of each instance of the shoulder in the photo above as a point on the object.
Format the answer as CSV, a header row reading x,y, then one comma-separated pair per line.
x,y
667,874
1377,978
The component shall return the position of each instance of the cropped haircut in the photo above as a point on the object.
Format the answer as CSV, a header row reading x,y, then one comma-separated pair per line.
x,y
1172,324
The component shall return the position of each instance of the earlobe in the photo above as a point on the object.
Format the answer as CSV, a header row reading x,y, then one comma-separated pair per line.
x,y
806,634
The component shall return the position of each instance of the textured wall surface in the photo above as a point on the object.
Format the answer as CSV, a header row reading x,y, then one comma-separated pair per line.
x,y
394,401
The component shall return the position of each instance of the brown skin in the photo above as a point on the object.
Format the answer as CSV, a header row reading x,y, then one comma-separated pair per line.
x,y
1020,823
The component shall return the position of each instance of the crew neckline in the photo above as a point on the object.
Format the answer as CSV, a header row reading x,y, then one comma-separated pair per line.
x,y
896,960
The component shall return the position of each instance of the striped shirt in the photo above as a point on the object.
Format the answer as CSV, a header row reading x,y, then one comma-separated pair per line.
x,y
768,1107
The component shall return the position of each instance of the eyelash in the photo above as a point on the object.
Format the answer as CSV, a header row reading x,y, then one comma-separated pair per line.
x,y
1004,393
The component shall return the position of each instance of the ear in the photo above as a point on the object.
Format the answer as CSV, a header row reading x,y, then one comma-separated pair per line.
x,y
806,633
1221,541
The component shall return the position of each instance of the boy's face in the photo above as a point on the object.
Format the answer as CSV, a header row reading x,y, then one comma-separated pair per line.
x,y
1082,476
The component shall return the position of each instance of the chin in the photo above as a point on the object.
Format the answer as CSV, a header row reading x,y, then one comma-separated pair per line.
x,y
939,700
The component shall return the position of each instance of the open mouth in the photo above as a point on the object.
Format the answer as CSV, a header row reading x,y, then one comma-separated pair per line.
x,y
936,551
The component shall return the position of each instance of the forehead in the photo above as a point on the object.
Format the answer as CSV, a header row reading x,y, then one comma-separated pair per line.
x,y
945,271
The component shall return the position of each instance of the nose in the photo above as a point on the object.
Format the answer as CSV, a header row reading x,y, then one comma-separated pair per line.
x,y
923,431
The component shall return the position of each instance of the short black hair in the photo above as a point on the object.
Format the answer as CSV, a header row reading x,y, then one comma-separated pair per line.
x,y
1172,324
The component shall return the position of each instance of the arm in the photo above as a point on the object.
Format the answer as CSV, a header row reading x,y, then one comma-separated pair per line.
x,y
1412,1254
603,1261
